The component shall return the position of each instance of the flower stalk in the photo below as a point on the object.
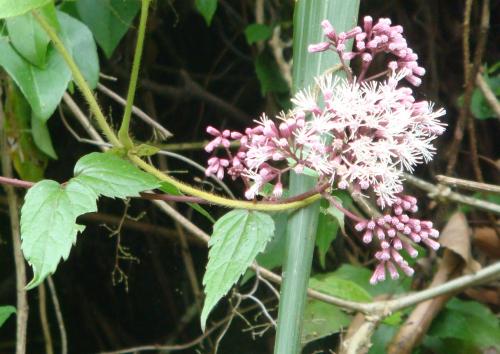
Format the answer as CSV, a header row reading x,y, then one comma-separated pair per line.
x,y
301,228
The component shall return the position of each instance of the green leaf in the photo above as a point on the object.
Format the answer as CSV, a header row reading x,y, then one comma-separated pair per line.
x,y
79,41
329,222
257,32
207,9
11,8
5,312
361,276
48,216
41,137
381,339
29,38
172,190
447,345
335,286
111,176
238,237
43,88
269,74
326,232
321,320
145,150
468,321
480,107
29,162
109,20
48,228
274,253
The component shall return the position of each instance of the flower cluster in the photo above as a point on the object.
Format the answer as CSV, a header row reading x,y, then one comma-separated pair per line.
x,y
365,135
371,40
386,228
350,132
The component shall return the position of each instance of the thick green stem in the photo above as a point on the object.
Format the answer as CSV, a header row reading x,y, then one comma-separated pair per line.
x,y
123,133
301,228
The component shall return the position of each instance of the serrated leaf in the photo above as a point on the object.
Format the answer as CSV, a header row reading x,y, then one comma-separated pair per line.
x,y
335,286
321,320
10,8
238,237
207,9
28,37
269,74
48,228
274,253
5,313
41,137
108,20
112,176
257,32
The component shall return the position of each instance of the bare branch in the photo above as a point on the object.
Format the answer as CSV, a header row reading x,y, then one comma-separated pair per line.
x,y
466,184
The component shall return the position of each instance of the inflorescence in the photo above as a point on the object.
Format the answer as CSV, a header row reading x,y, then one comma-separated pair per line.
x,y
355,132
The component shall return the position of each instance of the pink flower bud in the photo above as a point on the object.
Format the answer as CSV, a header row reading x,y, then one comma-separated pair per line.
x,y
212,131
368,236
318,47
392,271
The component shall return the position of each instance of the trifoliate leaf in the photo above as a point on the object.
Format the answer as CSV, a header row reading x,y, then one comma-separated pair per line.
x,y
48,216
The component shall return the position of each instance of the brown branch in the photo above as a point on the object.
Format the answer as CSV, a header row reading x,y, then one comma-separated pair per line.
x,y
59,316
191,89
164,133
470,185
470,75
436,192
488,94
184,346
22,300
42,309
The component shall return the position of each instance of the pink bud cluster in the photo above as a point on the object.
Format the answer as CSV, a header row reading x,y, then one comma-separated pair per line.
x,y
387,228
370,40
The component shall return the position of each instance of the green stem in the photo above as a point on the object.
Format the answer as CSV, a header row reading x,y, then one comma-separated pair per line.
x,y
301,228
79,79
123,132
215,199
